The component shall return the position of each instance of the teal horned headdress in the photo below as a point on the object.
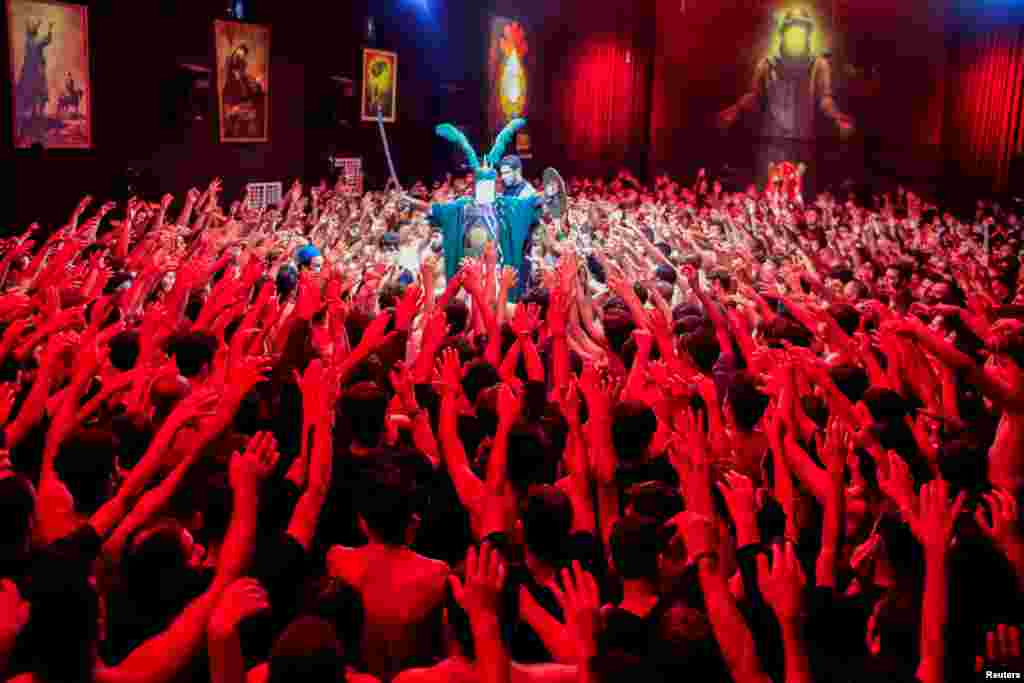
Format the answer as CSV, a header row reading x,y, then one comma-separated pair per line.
x,y
485,170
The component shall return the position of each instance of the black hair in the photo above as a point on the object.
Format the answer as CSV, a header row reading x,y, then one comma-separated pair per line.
x,y
86,465
635,544
155,573
457,314
124,350
654,499
964,465
633,427
339,603
783,329
852,381
17,509
618,327
308,650
386,501
846,316
748,404
287,280
885,404
362,408
389,295
703,348
479,375
65,619
530,460
547,521
193,352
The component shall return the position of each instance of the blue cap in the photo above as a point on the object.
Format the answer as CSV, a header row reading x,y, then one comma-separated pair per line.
x,y
406,278
306,254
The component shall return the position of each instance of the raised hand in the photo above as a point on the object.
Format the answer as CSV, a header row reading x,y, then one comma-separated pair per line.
x,y
936,517
897,483
580,600
437,328
596,391
242,599
490,255
449,374
194,407
246,372
525,320
694,470
375,336
247,471
408,307
401,381
312,383
480,593
1000,522
472,275
509,277
569,404
783,583
700,534
741,501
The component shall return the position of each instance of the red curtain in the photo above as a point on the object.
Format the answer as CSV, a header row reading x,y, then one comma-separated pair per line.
x,y
602,103
986,111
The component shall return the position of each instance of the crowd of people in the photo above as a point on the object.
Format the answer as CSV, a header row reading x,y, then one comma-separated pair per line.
x,y
721,436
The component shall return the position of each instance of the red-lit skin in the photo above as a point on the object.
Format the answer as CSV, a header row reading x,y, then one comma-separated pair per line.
x,y
256,331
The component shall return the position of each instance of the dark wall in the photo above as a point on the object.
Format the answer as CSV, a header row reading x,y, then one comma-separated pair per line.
x,y
140,106
139,119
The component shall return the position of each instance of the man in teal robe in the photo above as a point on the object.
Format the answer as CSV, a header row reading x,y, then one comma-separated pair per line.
x,y
468,224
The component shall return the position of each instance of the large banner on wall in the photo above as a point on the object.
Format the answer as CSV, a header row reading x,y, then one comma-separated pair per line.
x,y
740,84
51,86
509,80
380,85
243,81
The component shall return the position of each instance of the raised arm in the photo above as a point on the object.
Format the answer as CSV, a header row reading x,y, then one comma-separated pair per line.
x,y
161,658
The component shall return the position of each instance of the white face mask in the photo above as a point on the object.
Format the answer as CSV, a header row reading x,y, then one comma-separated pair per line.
x,y
485,192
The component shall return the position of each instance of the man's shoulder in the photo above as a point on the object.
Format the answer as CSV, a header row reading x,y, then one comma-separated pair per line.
x,y
430,569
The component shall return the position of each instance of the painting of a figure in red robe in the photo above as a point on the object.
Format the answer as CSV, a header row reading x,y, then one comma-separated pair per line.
x,y
49,47
243,81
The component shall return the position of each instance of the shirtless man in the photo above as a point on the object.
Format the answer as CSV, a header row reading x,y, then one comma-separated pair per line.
x,y
403,592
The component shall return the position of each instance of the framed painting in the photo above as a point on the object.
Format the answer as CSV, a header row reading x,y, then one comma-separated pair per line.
x,y
243,81
380,85
51,87
509,70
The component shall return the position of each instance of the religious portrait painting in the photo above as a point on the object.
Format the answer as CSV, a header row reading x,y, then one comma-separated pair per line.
x,y
243,81
508,68
380,85
51,85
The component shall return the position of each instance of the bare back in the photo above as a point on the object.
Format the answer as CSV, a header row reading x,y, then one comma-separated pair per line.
x,y
403,595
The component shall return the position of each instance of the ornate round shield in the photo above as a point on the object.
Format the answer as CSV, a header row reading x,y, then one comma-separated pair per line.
x,y
556,200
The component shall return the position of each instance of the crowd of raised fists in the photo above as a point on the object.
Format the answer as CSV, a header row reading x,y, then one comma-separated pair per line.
x,y
723,436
